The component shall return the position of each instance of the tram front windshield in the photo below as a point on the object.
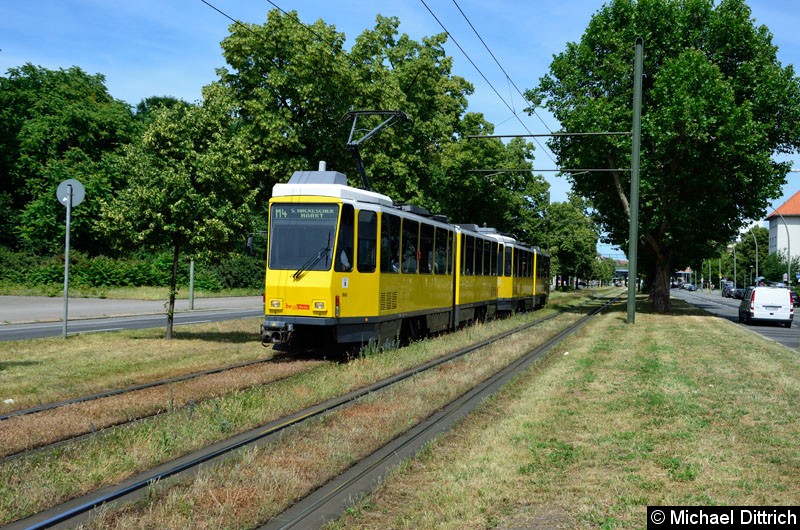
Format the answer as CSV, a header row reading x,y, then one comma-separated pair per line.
x,y
301,236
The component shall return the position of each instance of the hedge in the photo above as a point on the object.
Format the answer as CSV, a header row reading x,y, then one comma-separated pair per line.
x,y
155,270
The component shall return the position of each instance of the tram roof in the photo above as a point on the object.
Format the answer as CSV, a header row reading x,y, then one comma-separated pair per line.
x,y
327,184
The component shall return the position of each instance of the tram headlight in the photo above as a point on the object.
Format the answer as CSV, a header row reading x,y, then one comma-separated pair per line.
x,y
275,303
320,305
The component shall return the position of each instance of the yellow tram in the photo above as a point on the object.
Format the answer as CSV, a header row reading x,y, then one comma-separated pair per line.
x,y
346,265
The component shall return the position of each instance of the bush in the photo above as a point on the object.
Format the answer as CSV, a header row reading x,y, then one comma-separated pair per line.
x,y
140,269
239,270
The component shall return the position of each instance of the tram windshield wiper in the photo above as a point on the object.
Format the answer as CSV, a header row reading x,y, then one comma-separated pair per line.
x,y
313,260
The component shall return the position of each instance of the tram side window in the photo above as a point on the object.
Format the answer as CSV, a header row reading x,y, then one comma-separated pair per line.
x,y
367,238
451,253
344,243
440,251
425,249
519,264
468,261
495,258
480,257
508,261
410,246
501,251
530,264
390,243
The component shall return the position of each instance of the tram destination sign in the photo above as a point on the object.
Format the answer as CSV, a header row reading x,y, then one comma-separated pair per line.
x,y
305,212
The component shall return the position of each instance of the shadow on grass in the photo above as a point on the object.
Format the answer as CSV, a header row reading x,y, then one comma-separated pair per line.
x,y
678,308
11,364
227,337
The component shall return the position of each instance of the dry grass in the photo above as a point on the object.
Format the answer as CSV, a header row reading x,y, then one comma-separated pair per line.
x,y
33,372
258,484
674,410
30,484
21,433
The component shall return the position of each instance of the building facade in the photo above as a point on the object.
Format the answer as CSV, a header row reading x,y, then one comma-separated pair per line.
x,y
784,228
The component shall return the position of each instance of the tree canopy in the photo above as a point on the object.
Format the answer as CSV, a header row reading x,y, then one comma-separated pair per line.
x,y
717,105
162,174
55,125
294,85
189,184
571,238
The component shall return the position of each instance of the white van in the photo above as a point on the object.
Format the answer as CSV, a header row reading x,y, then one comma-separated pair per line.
x,y
767,303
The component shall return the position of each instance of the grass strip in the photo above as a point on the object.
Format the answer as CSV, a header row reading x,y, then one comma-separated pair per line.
x,y
255,485
34,372
681,409
31,484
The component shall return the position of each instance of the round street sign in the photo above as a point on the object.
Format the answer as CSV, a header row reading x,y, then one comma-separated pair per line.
x,y
78,192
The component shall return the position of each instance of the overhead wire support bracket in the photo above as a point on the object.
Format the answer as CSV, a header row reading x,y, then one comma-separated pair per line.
x,y
353,145
556,170
608,133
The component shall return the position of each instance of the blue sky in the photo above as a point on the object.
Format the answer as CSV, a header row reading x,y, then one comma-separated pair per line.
x,y
157,47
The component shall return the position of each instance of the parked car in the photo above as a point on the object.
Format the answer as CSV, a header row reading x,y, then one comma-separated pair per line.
x,y
795,299
739,293
767,304
689,287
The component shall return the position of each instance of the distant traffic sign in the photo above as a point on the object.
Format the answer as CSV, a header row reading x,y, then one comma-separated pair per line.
x,y
63,192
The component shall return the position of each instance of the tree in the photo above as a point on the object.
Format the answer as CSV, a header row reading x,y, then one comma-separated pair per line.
x,y
513,202
188,186
292,86
146,107
571,238
55,125
717,104
756,237
295,84
604,269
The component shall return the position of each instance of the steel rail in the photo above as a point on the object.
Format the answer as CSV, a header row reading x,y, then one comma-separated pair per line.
x,y
129,389
329,502
74,509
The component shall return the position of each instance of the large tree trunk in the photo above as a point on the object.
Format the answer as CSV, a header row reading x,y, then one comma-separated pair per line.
x,y
173,289
660,286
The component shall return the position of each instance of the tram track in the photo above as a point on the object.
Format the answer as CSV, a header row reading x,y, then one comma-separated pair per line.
x,y
330,501
46,426
128,389
132,488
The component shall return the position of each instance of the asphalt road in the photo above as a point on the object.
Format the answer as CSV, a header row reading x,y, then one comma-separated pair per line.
x,y
29,317
728,308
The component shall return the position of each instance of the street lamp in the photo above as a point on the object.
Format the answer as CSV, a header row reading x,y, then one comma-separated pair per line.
x,y
756,242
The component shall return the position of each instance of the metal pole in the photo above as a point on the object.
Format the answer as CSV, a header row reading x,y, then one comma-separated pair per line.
x,y
788,251
66,261
734,268
191,284
633,239
756,242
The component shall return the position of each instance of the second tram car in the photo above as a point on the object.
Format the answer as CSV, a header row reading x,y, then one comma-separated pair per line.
x,y
346,265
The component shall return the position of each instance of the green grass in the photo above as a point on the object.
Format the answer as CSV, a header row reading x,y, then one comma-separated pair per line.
x,y
85,363
680,409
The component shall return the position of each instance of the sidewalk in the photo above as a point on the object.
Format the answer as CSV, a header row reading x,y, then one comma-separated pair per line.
x,y
21,309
